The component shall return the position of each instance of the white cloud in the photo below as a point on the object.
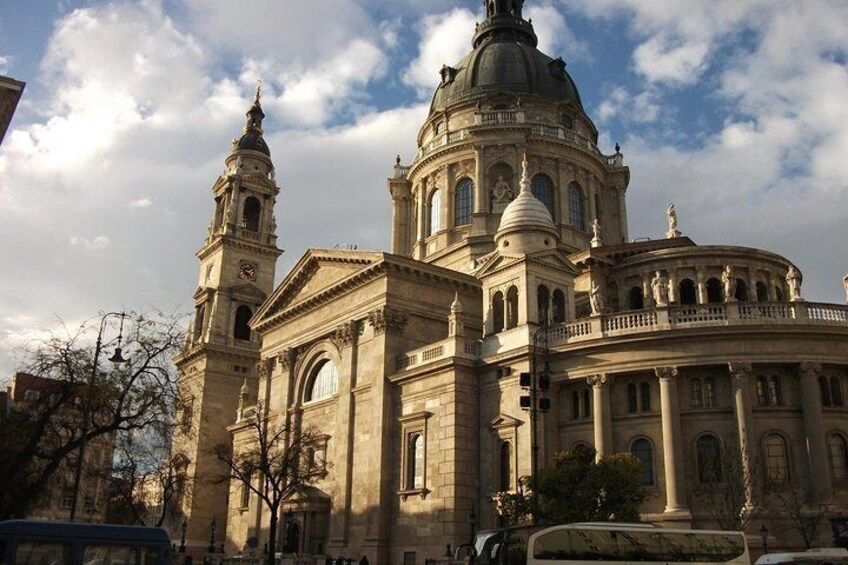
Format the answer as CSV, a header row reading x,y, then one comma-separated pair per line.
x,y
5,62
445,39
555,36
97,243
141,203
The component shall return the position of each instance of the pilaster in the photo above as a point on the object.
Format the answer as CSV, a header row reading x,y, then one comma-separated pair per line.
x,y
821,491
672,444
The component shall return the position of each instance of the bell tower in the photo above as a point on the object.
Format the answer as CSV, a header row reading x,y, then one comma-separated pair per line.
x,y
237,262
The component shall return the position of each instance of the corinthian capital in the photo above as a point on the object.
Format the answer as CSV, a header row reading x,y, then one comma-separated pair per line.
x,y
739,370
387,320
809,369
597,380
665,372
346,334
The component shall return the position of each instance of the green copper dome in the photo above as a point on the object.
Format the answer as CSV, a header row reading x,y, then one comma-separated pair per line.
x,y
505,60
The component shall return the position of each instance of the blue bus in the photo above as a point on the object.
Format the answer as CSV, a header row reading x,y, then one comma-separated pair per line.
x,y
33,542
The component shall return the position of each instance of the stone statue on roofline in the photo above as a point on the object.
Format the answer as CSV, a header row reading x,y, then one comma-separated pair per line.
x,y
597,241
793,280
671,214
596,300
659,286
728,280
845,286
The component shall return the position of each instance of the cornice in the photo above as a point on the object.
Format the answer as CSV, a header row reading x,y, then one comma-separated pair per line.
x,y
237,243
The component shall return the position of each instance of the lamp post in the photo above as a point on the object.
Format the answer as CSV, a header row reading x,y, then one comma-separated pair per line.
x,y
472,522
764,537
183,529
212,527
116,359
536,383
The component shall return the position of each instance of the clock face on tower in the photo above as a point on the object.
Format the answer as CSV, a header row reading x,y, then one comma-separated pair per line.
x,y
247,271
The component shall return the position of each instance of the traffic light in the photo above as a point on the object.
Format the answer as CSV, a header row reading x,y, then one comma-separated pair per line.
x,y
524,401
544,404
544,381
524,380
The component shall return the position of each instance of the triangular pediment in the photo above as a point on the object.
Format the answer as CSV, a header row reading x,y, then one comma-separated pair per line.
x,y
552,258
248,293
317,271
504,421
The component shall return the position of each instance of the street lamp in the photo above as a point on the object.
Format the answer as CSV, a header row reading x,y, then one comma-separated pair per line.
x,y
212,527
536,383
183,529
472,522
764,537
116,359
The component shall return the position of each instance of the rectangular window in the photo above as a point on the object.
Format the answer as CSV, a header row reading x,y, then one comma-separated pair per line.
x,y
408,558
67,498
245,492
31,396
414,462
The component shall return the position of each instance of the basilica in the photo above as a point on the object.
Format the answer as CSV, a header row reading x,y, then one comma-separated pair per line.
x,y
510,254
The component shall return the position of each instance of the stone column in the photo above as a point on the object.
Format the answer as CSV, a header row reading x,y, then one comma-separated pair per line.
x,y
672,286
702,286
740,375
622,213
420,208
821,491
772,295
346,340
647,294
602,418
672,443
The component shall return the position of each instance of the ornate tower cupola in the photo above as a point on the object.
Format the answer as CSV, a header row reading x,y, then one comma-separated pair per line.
x,y
505,22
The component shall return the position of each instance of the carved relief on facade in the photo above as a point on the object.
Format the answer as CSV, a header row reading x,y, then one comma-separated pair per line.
x,y
388,320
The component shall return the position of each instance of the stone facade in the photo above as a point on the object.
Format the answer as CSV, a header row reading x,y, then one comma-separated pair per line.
x,y
510,250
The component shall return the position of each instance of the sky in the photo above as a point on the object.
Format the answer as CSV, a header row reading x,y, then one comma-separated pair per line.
x,y
735,110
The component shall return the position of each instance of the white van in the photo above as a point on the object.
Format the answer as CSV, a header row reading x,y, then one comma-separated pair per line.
x,y
823,556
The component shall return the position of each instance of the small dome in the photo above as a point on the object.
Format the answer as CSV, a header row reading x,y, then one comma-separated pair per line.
x,y
526,212
252,140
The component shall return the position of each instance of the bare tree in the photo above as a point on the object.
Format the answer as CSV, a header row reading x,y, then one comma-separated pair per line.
x,y
145,482
83,403
730,494
277,460
804,519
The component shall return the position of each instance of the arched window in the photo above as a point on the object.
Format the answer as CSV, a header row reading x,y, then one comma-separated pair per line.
x,y
435,212
777,459
511,307
632,399
252,212
838,455
498,312
240,329
710,393
245,490
415,462
559,306
463,202
835,391
762,291
644,452
775,391
325,382
577,203
708,451
612,296
696,394
688,294
199,320
741,291
543,300
645,396
714,291
506,466
635,298
778,293
543,189
587,403
824,388
575,405
762,387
